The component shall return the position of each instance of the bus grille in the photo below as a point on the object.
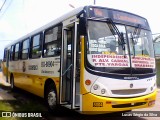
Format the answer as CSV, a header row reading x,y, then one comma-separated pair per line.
x,y
128,105
128,91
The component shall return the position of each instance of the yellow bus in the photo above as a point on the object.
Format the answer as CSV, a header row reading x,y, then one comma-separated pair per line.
x,y
92,59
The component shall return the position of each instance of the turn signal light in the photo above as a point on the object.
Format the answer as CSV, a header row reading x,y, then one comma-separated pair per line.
x,y
146,99
88,82
108,102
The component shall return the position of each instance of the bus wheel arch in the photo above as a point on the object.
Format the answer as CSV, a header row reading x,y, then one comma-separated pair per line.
x,y
50,95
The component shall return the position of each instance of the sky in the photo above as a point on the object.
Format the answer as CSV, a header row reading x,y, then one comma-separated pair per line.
x,y
19,17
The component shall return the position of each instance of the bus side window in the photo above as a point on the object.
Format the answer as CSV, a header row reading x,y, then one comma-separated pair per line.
x,y
16,52
5,55
36,42
11,53
52,42
25,47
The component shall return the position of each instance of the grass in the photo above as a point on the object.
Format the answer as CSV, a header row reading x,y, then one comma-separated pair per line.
x,y
5,106
24,103
19,107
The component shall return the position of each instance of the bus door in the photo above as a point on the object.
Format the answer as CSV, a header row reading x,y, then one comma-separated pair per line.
x,y
69,87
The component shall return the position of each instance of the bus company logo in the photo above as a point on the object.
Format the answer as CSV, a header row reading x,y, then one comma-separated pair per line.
x,y
97,104
22,115
24,66
6,114
131,85
33,67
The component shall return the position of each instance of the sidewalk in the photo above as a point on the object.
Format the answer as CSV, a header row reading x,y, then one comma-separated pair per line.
x,y
3,82
4,95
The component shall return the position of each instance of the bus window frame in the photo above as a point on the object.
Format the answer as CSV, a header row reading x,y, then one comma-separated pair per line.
x,y
5,55
25,49
16,52
53,42
11,55
40,45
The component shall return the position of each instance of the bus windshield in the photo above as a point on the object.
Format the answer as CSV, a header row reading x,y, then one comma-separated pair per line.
x,y
141,43
105,53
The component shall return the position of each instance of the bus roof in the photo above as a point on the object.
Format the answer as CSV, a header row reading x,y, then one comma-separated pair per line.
x,y
59,20
52,23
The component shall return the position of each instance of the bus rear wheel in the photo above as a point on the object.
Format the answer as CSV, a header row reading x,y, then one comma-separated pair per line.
x,y
12,83
51,98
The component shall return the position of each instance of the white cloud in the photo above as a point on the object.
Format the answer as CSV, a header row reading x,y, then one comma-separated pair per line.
x,y
6,29
1,3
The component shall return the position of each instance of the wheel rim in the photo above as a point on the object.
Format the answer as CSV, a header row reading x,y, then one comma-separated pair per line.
x,y
51,99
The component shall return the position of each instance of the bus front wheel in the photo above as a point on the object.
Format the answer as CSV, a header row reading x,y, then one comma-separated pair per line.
x,y
51,98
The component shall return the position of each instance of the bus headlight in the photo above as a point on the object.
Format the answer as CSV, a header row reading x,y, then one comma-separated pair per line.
x,y
95,87
103,91
99,89
151,88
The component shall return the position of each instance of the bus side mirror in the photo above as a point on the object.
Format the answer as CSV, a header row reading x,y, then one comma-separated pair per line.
x,y
82,26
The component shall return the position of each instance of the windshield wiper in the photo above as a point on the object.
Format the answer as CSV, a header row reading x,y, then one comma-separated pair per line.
x,y
133,42
136,33
115,31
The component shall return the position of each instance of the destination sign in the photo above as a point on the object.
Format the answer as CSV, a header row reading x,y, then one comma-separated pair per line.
x,y
117,15
98,12
127,17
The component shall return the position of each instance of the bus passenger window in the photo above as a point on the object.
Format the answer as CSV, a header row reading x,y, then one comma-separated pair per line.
x,y
25,46
11,53
5,55
36,46
16,52
52,44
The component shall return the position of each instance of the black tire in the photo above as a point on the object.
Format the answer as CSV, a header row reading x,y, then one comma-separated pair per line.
x,y
12,83
51,98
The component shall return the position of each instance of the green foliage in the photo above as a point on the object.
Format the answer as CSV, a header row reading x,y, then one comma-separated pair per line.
x,y
158,71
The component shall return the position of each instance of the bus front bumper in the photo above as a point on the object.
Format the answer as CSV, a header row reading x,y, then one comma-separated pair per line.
x,y
93,104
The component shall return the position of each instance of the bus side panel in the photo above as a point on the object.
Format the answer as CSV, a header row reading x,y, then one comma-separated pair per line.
x,y
31,75
15,71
